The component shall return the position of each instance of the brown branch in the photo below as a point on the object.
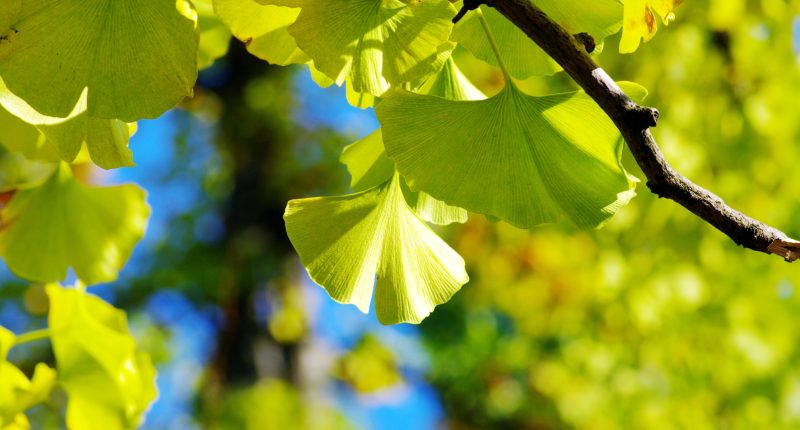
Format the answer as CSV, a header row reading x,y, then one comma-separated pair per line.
x,y
634,121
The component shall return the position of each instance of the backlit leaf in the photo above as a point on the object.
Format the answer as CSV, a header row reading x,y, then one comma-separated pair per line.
x,y
17,392
524,159
374,43
369,166
367,162
137,59
450,83
16,171
17,135
94,232
263,28
214,35
345,242
110,385
105,139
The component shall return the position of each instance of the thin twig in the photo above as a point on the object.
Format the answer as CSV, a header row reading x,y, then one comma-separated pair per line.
x,y
634,121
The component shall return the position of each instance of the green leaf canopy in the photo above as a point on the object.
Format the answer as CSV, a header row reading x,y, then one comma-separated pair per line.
x,y
65,224
345,241
110,385
374,43
524,159
137,58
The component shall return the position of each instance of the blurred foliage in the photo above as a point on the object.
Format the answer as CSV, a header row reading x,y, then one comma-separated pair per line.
x,y
274,404
657,320
369,366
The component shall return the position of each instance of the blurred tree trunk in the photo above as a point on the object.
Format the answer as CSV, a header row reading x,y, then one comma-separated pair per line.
x,y
255,243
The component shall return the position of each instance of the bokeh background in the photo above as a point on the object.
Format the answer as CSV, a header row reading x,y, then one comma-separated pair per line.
x,y
656,321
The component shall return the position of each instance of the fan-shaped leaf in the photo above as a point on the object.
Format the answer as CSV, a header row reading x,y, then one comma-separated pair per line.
x,y
65,224
527,160
110,385
344,242
136,58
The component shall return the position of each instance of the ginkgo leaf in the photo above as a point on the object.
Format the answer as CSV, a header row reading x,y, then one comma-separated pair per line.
x,y
105,139
214,35
375,43
263,28
450,83
639,21
17,135
17,392
318,77
367,162
522,57
109,383
16,171
369,166
137,59
345,242
366,158
524,159
361,100
435,211
94,232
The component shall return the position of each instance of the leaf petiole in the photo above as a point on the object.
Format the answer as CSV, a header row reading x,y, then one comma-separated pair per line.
x,y
32,336
493,44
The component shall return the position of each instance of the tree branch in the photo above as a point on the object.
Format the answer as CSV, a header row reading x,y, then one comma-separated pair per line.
x,y
634,121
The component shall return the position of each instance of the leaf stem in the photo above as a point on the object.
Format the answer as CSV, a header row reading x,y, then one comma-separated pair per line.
x,y
493,44
32,336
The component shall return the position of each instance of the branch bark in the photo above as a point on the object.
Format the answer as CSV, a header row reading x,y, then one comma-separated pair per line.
x,y
634,122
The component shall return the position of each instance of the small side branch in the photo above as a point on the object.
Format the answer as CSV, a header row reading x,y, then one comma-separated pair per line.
x,y
634,122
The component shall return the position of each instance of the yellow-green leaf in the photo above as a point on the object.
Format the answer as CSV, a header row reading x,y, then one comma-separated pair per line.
x,y
345,242
17,392
49,138
369,166
524,159
63,224
17,171
263,28
214,35
136,58
374,43
109,383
